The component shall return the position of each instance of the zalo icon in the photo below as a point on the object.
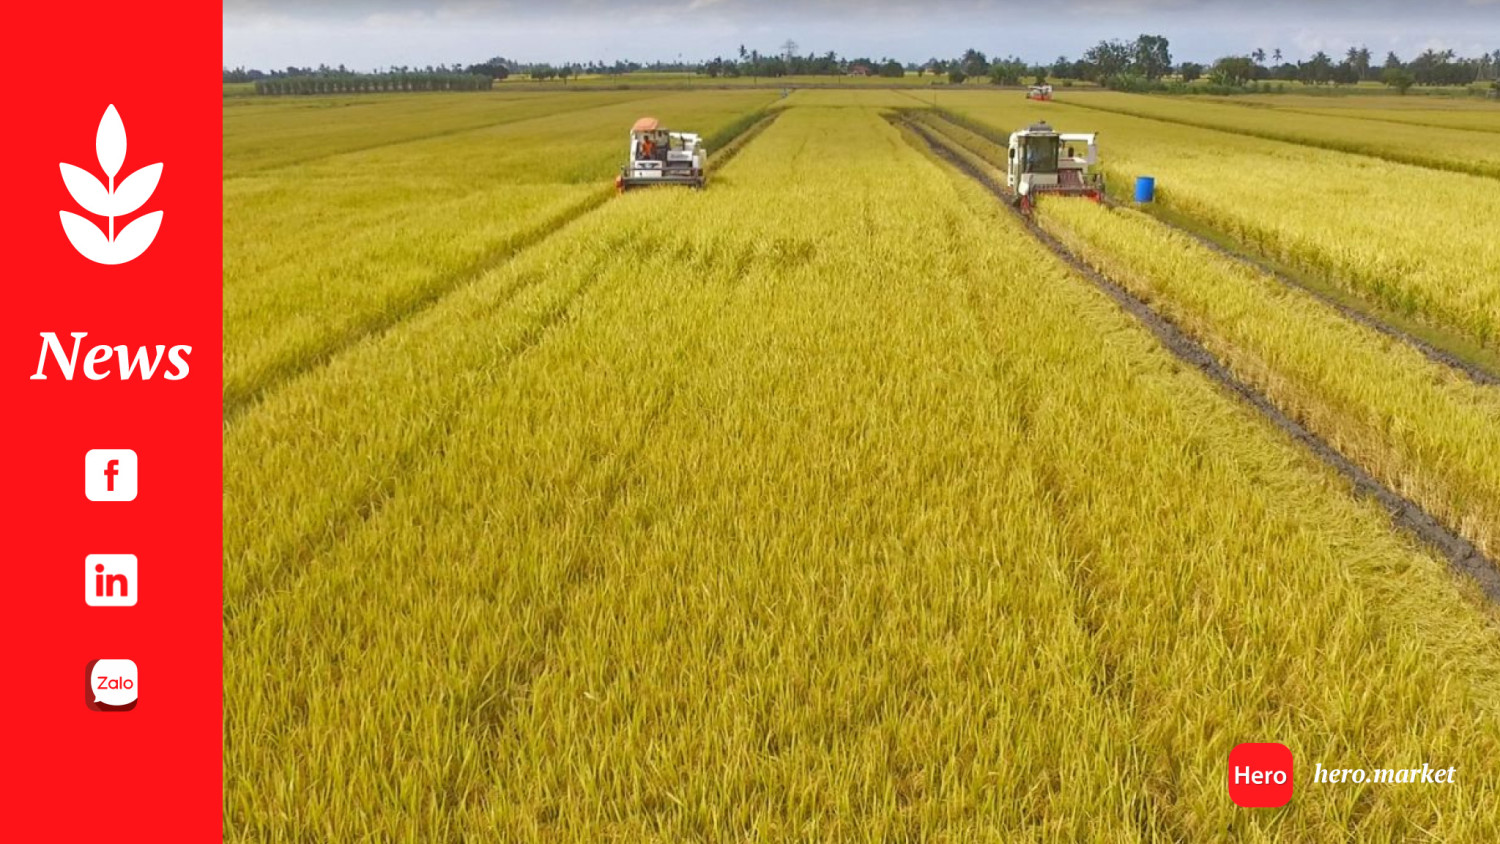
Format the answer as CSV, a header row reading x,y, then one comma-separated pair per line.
x,y
113,685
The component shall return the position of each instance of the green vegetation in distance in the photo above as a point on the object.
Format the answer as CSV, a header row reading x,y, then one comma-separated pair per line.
x,y
1143,65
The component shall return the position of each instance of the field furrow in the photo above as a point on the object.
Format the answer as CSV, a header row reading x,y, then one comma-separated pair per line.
x,y
985,148
1475,364
1343,220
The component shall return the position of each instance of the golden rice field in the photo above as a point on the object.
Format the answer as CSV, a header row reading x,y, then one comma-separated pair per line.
x,y
371,224
1462,150
1438,112
1401,237
827,503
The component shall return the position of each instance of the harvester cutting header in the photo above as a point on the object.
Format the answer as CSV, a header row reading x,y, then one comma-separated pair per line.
x,y
1044,161
659,156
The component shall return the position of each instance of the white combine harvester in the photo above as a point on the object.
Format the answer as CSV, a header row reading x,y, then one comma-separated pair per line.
x,y
1039,92
662,157
1043,161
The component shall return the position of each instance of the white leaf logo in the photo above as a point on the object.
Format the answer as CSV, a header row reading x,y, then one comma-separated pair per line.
x,y
109,142
109,201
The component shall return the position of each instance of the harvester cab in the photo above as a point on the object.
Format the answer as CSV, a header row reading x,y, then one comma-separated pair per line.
x,y
1044,161
659,156
1039,92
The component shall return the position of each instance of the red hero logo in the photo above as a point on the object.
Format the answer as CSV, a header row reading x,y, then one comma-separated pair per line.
x,y
1260,774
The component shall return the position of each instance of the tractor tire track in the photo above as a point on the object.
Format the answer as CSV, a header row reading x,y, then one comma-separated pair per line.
x,y
367,504
1108,682
492,701
1475,372
493,710
239,401
1461,555
1472,371
427,445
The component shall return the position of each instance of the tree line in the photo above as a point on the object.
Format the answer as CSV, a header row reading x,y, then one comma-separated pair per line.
x,y
1146,64
494,68
1142,64
1431,67
369,83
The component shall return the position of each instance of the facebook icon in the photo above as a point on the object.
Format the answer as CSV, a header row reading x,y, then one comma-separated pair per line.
x,y
109,474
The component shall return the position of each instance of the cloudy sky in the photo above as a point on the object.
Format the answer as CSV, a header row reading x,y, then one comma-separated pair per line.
x,y
368,34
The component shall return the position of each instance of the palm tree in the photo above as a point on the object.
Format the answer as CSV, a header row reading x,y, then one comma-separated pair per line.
x,y
1318,69
1259,54
1276,55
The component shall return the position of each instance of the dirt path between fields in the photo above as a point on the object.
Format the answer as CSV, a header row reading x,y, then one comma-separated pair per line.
x,y
1462,556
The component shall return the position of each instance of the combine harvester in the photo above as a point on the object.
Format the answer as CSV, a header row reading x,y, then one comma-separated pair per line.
x,y
1039,92
1042,161
662,157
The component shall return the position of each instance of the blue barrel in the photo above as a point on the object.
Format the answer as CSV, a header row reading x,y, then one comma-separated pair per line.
x,y
1145,188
